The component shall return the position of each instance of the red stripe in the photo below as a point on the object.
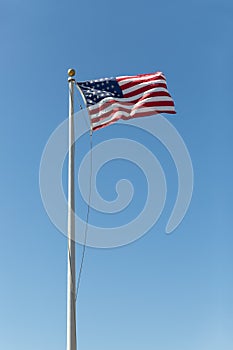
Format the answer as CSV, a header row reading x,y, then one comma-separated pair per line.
x,y
154,104
135,83
141,78
108,114
148,95
151,94
122,109
138,115
143,89
156,74
108,104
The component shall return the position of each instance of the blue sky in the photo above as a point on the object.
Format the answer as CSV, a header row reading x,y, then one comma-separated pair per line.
x,y
161,292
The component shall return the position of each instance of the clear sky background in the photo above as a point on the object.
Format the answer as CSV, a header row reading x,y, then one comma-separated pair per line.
x,y
161,292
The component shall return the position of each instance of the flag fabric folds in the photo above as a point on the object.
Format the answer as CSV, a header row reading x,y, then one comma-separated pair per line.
x,y
126,97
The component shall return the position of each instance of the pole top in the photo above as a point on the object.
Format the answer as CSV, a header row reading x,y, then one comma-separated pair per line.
x,y
71,72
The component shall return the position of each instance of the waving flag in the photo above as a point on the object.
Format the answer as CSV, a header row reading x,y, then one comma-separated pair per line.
x,y
126,97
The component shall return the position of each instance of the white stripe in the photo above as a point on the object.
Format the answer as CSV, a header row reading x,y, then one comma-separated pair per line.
x,y
142,76
109,119
139,86
131,100
131,115
139,110
136,97
109,108
132,111
135,79
149,99
130,105
153,99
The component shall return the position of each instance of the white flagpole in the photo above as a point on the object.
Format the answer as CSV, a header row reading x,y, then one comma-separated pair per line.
x,y
71,273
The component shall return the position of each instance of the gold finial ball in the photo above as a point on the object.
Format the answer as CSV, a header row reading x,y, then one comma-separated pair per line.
x,y
71,72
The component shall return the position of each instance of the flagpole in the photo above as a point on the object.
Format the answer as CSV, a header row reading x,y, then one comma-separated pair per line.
x,y
71,273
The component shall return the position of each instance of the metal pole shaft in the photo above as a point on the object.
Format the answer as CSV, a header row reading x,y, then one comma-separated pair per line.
x,y
71,273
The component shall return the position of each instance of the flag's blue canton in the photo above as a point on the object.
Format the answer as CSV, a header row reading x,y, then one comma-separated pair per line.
x,y
96,90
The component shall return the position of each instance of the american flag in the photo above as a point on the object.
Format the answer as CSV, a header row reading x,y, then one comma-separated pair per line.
x,y
126,97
